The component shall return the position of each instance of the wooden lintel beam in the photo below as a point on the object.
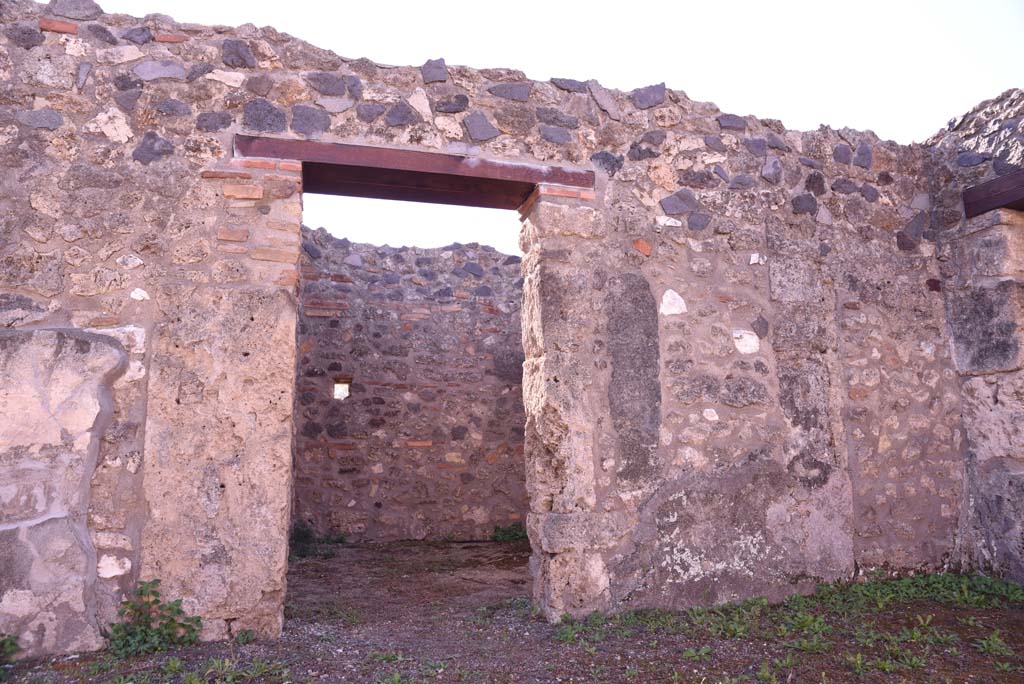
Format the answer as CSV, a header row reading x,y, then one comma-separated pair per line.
x,y
1005,192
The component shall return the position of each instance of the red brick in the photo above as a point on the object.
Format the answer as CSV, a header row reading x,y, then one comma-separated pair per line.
x,y
284,256
170,38
57,26
255,163
419,444
288,278
232,248
642,246
290,166
254,192
230,234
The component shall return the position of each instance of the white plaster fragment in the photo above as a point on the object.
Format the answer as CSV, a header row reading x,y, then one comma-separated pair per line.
x,y
668,222
672,304
112,566
229,78
758,259
129,261
710,414
111,123
746,341
418,101
119,54
139,295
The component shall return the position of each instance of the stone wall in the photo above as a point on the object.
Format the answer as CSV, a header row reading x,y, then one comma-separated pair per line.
x,y
738,377
429,445
983,268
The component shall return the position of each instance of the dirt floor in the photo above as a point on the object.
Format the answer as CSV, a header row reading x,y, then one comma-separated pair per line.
x,y
434,613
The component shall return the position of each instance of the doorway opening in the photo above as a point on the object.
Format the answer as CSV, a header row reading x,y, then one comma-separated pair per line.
x,y
408,418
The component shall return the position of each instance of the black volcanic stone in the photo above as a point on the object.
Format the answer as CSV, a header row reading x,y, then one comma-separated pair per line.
x,y
760,327
555,134
434,71
369,111
452,105
638,152
702,179
742,181
869,192
519,92
698,221
261,115
126,100
731,122
714,143
474,268
325,83
24,36
101,33
152,148
842,153
862,157
483,291
1003,167
213,121
259,84
811,163
776,142
648,96
655,137
815,183
681,202
845,186
310,121
885,178
555,117
126,82
237,54
756,146
570,85
402,114
905,242
140,35
354,85
607,162
969,159
805,204
172,107
75,9
480,129
198,70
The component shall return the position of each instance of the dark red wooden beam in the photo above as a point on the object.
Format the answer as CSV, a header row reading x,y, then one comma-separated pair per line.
x,y
364,171
1005,192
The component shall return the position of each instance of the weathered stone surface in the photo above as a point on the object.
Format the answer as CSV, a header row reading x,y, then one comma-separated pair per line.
x,y
237,469
519,92
401,114
151,148
140,35
213,121
647,97
608,162
237,54
261,115
479,127
24,36
434,71
153,69
369,111
58,382
570,85
310,121
75,9
41,118
682,202
634,394
986,327
452,105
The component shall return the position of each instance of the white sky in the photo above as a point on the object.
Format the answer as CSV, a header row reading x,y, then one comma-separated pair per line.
x,y
901,68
